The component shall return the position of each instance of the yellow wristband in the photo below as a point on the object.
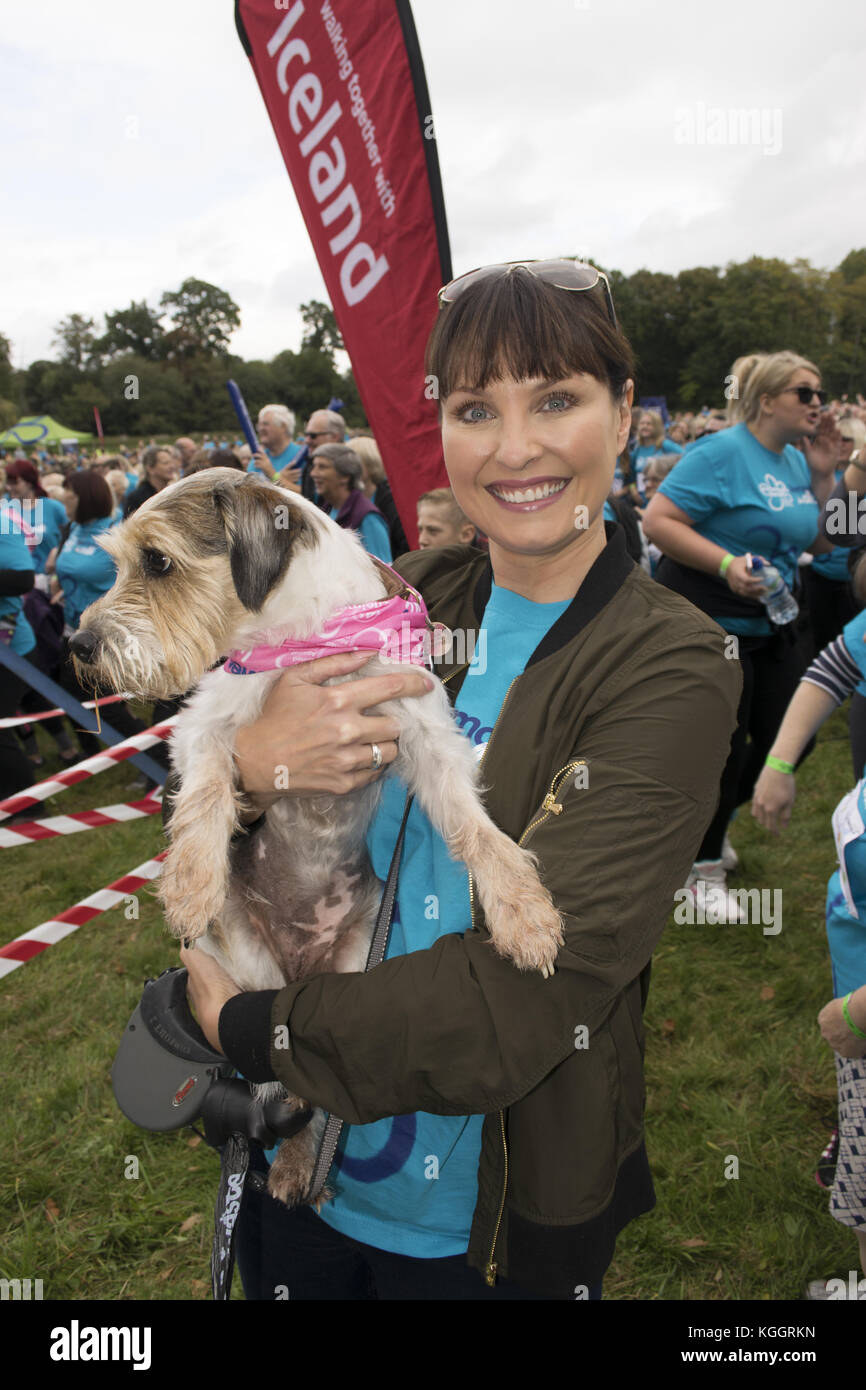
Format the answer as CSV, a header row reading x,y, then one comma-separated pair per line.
x,y
723,567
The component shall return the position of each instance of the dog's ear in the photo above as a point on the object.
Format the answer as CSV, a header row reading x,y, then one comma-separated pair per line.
x,y
261,532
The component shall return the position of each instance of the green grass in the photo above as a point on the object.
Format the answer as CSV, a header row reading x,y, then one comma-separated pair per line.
x,y
730,1071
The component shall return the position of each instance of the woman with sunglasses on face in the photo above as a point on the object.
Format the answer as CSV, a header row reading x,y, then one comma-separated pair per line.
x,y
748,490
494,1140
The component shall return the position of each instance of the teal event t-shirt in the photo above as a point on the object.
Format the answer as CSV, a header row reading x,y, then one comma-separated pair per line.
x,y
373,530
14,555
854,637
846,935
279,461
409,1184
744,497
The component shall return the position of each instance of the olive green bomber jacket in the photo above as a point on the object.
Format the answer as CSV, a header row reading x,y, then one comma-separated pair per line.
x,y
605,761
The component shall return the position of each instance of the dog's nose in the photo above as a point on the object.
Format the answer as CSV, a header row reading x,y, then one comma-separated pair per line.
x,y
84,645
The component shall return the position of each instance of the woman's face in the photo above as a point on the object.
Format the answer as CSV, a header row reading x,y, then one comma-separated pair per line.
x,y
645,428
792,418
531,462
70,502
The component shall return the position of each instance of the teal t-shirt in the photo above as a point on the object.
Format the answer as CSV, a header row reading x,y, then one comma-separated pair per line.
x,y
15,555
84,571
846,935
853,635
833,565
641,456
374,535
744,497
409,1184
46,517
279,461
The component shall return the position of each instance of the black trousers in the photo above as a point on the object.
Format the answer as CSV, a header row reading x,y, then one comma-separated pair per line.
x,y
16,771
772,667
830,603
295,1254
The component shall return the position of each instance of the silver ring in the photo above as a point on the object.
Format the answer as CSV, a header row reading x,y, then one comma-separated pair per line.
x,y
377,757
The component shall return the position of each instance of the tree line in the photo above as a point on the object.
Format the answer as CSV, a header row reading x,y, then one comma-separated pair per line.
x,y
164,369
146,376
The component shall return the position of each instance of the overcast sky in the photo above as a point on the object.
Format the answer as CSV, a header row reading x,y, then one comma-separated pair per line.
x,y
137,150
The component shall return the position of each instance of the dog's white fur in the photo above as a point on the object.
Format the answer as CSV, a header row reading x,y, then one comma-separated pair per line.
x,y
312,846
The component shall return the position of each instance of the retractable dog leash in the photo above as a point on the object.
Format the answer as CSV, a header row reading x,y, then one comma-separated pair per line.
x,y
378,947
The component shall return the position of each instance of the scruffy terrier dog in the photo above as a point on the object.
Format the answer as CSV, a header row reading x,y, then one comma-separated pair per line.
x,y
224,561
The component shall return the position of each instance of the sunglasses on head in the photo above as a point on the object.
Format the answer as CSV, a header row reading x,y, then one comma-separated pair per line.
x,y
805,394
565,273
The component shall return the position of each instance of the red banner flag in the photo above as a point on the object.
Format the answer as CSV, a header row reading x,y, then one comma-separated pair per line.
x,y
345,90
98,425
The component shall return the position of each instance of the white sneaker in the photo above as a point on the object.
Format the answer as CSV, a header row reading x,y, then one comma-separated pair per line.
x,y
708,883
730,858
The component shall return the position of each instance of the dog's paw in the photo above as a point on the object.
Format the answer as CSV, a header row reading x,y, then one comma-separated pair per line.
x,y
523,922
189,904
291,1175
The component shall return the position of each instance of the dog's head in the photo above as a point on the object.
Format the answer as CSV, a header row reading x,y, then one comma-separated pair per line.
x,y
192,564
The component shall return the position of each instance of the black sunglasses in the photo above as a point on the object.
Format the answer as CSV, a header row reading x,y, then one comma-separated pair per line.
x,y
314,434
565,273
805,394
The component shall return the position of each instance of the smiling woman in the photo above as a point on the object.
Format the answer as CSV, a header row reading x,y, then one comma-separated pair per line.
x,y
602,717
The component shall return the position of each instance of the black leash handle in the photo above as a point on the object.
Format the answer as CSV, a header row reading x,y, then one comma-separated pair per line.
x,y
376,955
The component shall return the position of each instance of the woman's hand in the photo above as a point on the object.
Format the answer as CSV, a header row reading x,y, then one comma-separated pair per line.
x,y
209,987
51,561
823,449
55,590
773,799
315,738
741,580
835,1030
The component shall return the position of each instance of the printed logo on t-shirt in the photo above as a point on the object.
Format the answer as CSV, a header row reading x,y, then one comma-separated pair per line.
x,y
776,492
474,729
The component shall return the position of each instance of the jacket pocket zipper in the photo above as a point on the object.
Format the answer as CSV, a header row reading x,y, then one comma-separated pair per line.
x,y
550,807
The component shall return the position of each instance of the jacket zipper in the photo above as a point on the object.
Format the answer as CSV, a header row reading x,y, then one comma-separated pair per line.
x,y
550,806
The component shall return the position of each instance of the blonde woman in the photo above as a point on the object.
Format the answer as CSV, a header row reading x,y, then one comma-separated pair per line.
x,y
746,489
650,442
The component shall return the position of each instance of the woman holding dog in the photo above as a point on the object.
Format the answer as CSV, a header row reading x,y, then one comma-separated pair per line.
x,y
494,1140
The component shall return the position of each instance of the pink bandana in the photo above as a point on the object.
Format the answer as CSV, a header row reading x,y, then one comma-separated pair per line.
x,y
397,628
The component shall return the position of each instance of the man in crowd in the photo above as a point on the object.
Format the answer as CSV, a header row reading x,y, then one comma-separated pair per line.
x,y
323,427
441,522
185,448
161,466
275,428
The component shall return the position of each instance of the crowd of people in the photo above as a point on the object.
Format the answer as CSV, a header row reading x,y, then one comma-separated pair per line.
x,y
56,508
704,500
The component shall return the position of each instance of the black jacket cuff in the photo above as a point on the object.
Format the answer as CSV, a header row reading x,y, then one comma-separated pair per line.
x,y
245,1033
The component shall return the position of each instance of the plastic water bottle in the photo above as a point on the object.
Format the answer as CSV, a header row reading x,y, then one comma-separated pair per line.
x,y
778,600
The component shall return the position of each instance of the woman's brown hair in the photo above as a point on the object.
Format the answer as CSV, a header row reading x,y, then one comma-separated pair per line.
x,y
95,498
517,325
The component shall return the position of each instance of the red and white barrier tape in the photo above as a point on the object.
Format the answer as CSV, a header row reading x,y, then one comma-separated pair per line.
x,y
21,801
31,831
16,719
34,942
